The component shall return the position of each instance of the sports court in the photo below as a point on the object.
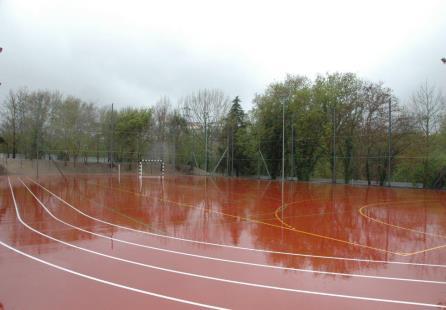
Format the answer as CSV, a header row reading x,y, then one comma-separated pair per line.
x,y
222,155
123,241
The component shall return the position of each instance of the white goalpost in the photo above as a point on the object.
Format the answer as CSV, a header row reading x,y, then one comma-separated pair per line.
x,y
151,168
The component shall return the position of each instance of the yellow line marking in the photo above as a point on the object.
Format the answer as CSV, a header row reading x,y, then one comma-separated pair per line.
x,y
287,227
356,244
331,238
361,212
303,215
427,250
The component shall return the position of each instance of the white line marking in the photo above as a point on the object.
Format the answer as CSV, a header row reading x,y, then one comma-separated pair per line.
x,y
219,279
87,276
227,260
237,247
108,282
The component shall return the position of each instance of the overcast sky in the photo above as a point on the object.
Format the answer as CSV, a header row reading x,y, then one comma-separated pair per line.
x,y
133,52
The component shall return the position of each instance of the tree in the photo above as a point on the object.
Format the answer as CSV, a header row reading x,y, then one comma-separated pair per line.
x,y
235,121
372,141
12,125
178,131
308,131
428,109
206,110
35,117
428,106
295,96
11,122
132,134
267,113
161,115
73,126
340,96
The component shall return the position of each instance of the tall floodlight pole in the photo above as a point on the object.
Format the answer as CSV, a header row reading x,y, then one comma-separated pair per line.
x,y
334,146
39,106
232,150
37,153
227,155
283,152
292,147
112,138
389,142
205,142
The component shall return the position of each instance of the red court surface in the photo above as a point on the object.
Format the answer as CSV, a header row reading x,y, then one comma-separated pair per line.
x,y
95,242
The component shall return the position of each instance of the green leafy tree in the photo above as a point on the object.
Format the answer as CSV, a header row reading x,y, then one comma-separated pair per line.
x,y
339,95
131,131
308,132
72,126
305,126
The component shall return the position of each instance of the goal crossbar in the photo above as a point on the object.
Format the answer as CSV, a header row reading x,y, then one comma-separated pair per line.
x,y
151,161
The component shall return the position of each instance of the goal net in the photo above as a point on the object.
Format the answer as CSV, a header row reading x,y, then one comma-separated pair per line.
x,y
151,168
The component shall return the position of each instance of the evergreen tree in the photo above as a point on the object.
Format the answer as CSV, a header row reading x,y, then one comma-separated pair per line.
x,y
236,121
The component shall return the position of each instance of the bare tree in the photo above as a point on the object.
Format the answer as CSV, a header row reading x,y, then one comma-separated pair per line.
x,y
38,107
428,106
206,106
428,109
373,126
204,109
11,120
12,109
161,115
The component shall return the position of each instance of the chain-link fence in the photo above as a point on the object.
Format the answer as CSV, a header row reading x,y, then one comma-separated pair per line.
x,y
191,155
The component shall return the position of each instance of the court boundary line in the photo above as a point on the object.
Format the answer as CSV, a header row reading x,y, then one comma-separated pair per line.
x,y
316,293
238,247
378,204
359,210
292,228
234,261
249,220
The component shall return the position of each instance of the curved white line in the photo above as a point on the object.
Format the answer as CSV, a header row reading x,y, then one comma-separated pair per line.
x,y
228,260
85,275
220,279
234,246
108,282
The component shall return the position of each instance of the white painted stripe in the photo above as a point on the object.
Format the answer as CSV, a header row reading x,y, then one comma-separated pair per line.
x,y
108,282
403,302
85,275
227,260
238,247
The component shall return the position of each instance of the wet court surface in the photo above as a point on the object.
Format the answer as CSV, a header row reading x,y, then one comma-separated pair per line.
x,y
185,242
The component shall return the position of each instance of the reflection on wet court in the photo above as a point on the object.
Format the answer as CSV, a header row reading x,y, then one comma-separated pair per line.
x,y
180,242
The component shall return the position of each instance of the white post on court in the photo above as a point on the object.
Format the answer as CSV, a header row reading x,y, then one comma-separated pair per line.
x,y
119,173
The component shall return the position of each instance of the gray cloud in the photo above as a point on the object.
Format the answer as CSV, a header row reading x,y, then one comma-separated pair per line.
x,y
107,52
